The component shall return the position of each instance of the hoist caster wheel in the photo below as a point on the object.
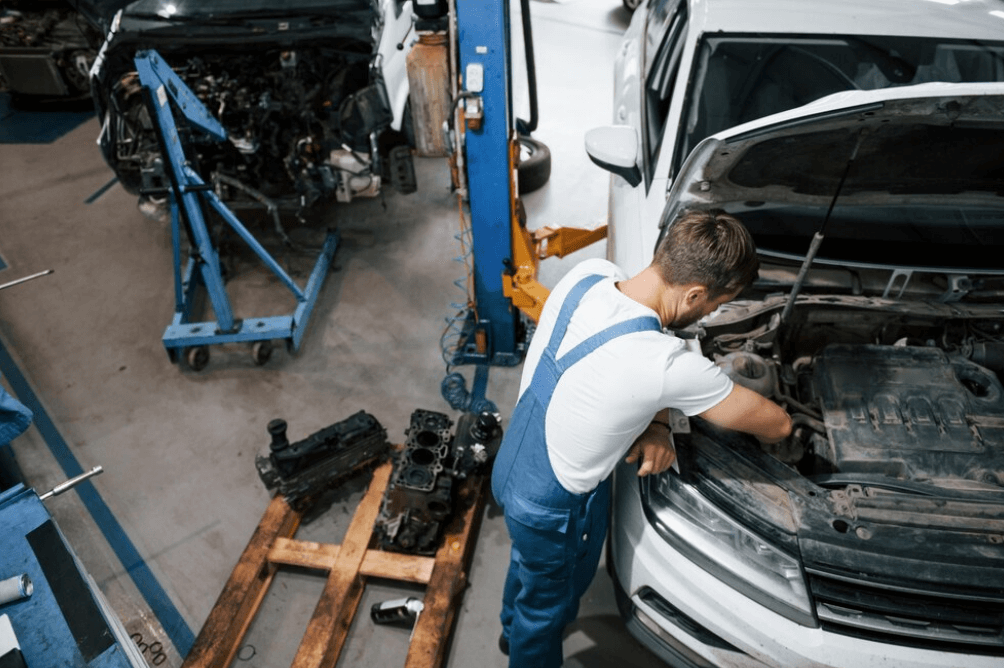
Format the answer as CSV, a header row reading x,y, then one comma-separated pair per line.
x,y
261,351
197,357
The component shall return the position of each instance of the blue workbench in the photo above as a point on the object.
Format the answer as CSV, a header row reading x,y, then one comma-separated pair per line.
x,y
65,622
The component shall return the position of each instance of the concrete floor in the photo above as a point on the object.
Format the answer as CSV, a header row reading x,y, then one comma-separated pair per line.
x,y
178,447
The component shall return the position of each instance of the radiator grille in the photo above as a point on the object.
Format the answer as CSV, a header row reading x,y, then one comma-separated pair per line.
x,y
954,622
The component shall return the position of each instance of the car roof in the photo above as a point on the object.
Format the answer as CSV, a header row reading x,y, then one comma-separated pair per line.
x,y
972,19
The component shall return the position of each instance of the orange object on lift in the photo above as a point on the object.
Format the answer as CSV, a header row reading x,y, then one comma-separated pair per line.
x,y
519,283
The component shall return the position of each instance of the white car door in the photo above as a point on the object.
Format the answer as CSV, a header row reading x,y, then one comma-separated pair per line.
x,y
649,98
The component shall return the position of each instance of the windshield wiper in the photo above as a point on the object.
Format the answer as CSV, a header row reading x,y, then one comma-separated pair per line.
x,y
841,480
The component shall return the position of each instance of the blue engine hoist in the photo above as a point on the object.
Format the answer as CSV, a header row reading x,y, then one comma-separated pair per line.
x,y
188,193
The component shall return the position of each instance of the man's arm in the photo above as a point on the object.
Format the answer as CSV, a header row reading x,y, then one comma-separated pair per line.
x,y
750,412
743,410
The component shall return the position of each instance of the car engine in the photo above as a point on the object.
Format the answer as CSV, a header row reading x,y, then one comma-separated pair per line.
x,y
46,49
302,125
875,400
422,491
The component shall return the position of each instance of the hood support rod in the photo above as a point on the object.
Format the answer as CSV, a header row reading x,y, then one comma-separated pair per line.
x,y
817,238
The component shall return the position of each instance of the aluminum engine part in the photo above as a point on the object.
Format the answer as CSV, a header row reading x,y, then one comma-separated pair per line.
x,y
301,470
912,413
421,494
751,371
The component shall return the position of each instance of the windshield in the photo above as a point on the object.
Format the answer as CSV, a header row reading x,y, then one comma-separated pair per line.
x,y
206,8
739,78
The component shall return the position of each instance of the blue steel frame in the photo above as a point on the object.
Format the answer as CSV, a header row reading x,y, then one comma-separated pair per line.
x,y
47,632
492,332
203,267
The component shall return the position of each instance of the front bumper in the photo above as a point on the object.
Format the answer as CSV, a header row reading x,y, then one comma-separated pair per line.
x,y
691,619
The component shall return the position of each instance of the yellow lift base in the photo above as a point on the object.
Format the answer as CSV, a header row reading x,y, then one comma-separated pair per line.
x,y
520,285
346,567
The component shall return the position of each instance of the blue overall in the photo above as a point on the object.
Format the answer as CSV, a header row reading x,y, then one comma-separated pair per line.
x,y
557,536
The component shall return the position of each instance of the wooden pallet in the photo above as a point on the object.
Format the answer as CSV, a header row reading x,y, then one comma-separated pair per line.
x,y
347,566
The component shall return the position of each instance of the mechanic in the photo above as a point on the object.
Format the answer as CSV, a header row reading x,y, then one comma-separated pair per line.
x,y
598,381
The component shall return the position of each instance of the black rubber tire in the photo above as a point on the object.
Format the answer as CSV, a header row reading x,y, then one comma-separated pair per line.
x,y
534,170
197,357
261,352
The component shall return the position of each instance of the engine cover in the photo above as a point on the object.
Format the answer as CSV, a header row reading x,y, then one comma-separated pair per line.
x,y
911,413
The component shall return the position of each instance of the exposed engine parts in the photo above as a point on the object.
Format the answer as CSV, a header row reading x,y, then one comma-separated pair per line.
x,y
421,494
881,400
910,413
302,125
302,470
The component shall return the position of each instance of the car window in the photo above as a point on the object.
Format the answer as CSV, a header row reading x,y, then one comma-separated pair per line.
x,y
739,78
660,14
659,85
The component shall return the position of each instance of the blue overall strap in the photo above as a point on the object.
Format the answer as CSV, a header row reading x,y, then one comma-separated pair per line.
x,y
645,323
568,307
545,376
549,369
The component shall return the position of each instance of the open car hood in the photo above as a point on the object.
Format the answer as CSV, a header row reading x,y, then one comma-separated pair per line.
x,y
899,177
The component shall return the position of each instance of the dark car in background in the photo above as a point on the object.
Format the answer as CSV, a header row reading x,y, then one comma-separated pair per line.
x,y
312,93
47,47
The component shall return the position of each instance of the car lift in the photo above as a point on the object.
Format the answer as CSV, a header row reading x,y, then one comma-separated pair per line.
x,y
506,254
188,194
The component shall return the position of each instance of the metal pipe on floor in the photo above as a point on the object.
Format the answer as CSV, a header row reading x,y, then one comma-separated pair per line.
x,y
26,279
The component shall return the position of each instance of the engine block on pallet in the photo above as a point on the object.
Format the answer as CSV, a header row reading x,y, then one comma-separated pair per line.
x,y
302,470
420,495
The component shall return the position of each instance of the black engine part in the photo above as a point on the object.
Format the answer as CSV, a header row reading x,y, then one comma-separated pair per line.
x,y
300,471
421,494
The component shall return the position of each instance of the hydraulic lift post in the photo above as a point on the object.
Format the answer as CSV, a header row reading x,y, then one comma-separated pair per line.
x,y
486,103
505,253
188,194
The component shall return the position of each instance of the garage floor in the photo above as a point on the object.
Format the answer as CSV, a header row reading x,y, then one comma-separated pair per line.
x,y
178,447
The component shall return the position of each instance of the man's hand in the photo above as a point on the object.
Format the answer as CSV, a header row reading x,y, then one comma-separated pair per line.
x,y
653,449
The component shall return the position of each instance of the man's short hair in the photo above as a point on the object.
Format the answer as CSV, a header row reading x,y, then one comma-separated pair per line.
x,y
709,248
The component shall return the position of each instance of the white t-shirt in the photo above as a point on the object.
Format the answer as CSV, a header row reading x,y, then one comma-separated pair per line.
x,y
607,399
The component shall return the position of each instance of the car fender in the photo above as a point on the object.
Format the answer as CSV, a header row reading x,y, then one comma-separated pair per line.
x,y
392,61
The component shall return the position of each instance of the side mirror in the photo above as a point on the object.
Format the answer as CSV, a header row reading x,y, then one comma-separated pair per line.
x,y
615,149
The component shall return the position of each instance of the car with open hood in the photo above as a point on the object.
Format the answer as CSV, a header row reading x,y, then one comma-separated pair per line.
x,y
874,535
312,93
47,47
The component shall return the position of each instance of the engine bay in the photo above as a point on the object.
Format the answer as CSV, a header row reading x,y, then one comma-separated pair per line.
x,y
878,396
302,124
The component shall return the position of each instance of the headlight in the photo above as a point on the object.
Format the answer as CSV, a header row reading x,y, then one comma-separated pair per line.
x,y
726,549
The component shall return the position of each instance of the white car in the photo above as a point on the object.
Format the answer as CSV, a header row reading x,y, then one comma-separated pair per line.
x,y
875,191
